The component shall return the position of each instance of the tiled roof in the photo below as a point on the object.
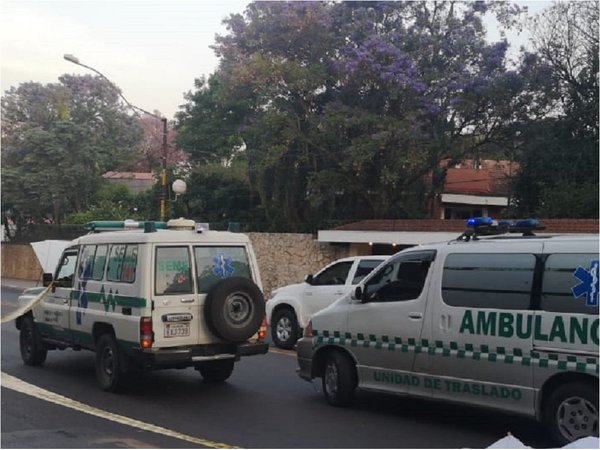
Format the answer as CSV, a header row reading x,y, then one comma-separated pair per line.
x,y
491,178
552,225
128,175
468,181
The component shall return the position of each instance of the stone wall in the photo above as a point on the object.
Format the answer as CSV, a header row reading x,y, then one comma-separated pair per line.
x,y
283,258
19,261
286,258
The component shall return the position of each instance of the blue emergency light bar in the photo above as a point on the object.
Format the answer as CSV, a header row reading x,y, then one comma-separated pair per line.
x,y
486,226
474,222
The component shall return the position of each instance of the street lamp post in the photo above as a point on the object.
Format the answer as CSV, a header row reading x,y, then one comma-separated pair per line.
x,y
163,174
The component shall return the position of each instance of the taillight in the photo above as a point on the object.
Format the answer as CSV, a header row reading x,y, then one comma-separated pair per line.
x,y
146,335
308,330
262,331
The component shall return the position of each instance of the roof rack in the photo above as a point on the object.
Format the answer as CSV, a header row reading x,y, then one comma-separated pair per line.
x,y
486,226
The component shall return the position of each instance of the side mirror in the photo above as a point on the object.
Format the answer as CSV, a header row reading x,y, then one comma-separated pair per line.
x,y
358,293
46,279
308,279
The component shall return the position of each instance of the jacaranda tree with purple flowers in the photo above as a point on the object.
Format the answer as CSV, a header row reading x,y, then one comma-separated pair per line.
x,y
350,110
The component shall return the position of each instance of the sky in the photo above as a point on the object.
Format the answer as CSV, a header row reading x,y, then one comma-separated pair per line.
x,y
152,49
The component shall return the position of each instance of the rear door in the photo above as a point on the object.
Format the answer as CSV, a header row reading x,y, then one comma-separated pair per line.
x,y
176,316
482,325
214,263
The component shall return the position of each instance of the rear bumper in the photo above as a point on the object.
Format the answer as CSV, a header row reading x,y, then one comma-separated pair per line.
x,y
190,356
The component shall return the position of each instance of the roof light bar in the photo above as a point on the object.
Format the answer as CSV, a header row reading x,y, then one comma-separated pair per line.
x,y
486,226
118,225
474,222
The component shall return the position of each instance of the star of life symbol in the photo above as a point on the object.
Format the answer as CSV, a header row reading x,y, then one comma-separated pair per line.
x,y
588,284
223,267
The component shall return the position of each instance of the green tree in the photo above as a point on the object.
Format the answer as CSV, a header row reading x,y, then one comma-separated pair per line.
x,y
57,141
559,155
343,109
218,193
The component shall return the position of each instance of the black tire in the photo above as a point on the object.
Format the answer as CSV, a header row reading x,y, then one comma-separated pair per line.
x,y
216,371
109,370
339,379
234,309
284,328
33,350
571,412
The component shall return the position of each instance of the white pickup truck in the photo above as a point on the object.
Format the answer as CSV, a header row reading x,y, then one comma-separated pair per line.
x,y
290,307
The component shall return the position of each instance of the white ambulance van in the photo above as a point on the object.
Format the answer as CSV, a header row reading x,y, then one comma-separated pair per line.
x,y
504,322
152,295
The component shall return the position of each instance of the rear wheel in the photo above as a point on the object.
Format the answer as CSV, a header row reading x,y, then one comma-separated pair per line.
x,y
33,350
216,371
571,412
284,328
109,372
339,379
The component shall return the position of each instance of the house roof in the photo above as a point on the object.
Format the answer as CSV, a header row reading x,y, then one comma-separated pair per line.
x,y
129,176
416,232
488,178
557,226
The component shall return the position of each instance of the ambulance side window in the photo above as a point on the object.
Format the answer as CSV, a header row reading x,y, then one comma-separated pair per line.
x,y
122,263
488,280
570,283
86,262
399,280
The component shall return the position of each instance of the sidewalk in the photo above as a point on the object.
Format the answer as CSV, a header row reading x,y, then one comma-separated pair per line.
x,y
19,285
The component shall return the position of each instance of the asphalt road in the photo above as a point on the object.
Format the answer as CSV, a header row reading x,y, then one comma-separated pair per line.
x,y
263,405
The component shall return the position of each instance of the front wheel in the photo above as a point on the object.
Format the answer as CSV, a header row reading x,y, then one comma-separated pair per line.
x,y
216,371
109,372
33,350
284,329
571,412
339,379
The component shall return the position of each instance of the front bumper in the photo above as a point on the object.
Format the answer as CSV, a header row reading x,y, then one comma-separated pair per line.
x,y
305,352
189,356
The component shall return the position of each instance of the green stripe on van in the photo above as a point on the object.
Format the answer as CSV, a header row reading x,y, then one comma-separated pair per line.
x,y
82,338
111,298
482,352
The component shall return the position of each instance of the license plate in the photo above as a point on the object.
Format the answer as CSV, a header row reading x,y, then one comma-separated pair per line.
x,y
177,330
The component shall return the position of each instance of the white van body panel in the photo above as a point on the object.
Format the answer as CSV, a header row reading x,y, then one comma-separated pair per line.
x,y
506,356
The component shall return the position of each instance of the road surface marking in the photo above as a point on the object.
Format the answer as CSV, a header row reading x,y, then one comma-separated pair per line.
x,y
10,382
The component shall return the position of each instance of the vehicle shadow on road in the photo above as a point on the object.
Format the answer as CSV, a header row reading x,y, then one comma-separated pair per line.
x,y
455,417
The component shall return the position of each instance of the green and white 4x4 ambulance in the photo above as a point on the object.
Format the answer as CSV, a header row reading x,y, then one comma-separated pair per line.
x,y
150,298
509,323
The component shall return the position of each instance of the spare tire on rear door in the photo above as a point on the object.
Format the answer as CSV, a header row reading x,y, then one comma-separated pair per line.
x,y
234,309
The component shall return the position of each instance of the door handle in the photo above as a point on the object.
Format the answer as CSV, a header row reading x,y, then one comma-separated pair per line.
x,y
415,315
338,292
187,300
